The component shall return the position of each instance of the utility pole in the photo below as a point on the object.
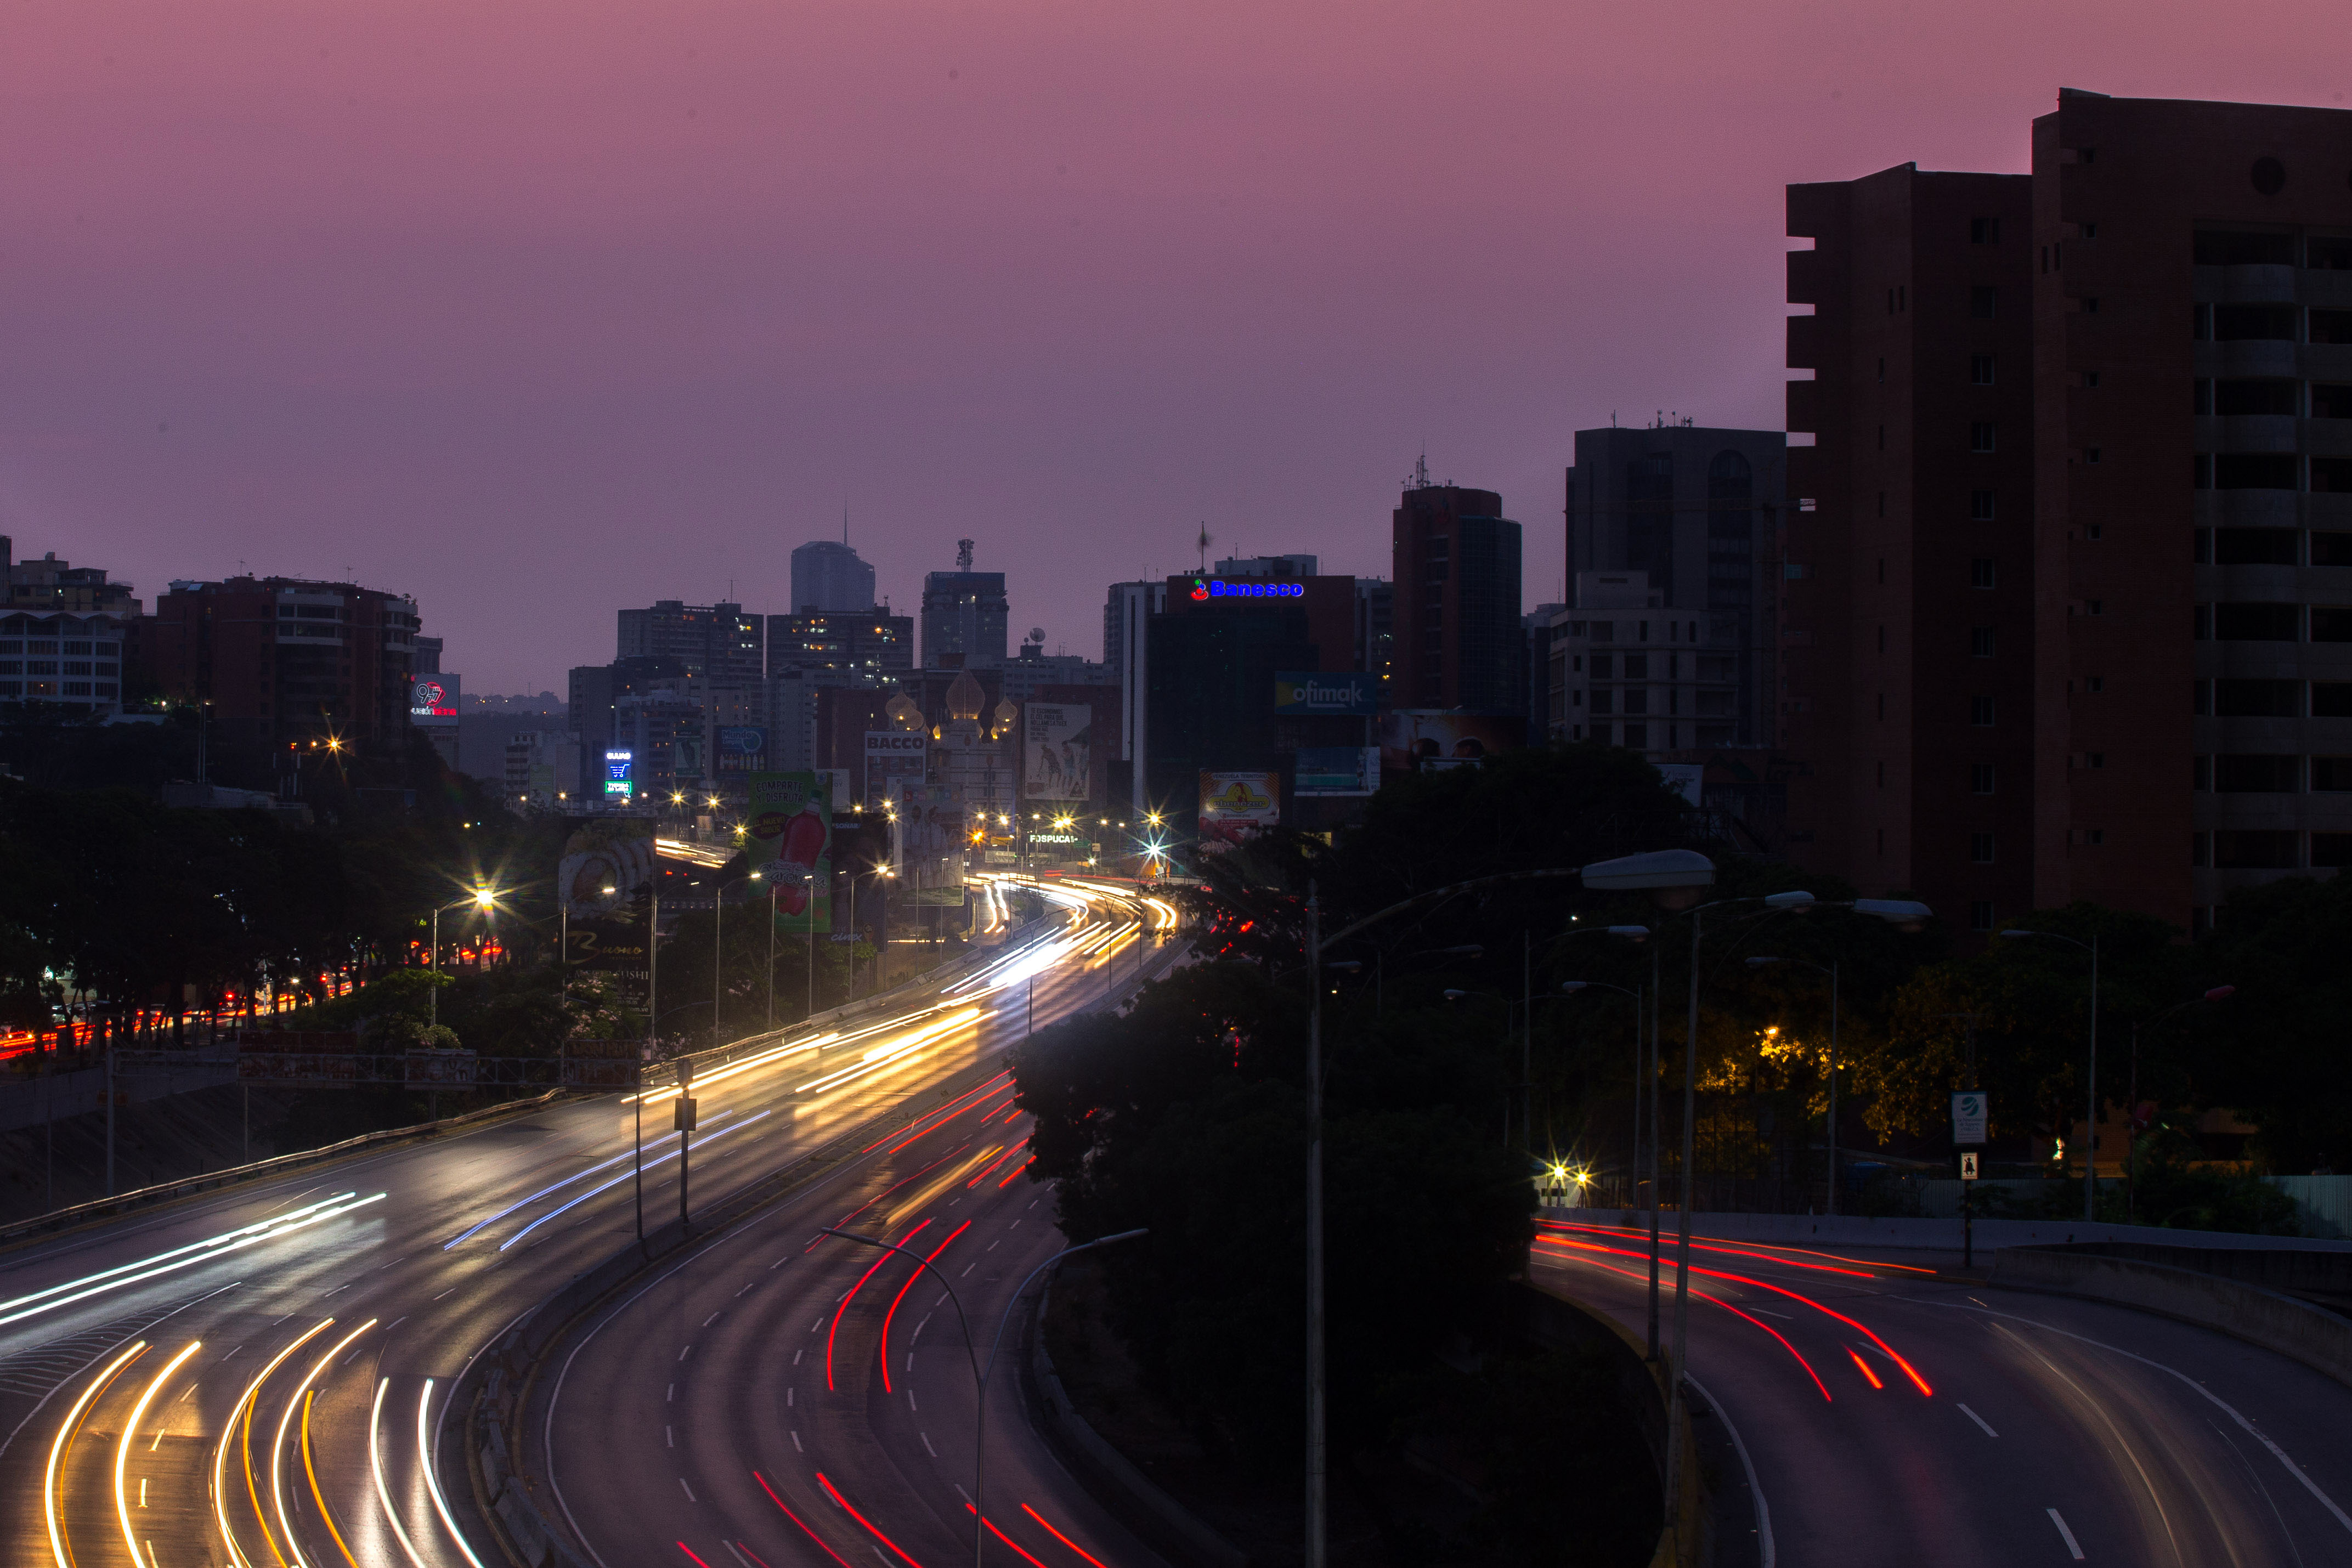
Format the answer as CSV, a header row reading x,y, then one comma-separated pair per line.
x,y
684,1116
1316,1534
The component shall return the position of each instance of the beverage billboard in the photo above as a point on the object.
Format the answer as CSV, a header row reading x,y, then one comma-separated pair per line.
x,y
1237,806
602,878
1057,752
1337,770
788,839
743,747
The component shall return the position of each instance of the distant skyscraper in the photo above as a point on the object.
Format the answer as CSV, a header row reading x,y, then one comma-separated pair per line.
x,y
828,576
1456,602
717,641
963,615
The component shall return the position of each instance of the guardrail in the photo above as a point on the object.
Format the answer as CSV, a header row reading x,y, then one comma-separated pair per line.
x,y
104,1207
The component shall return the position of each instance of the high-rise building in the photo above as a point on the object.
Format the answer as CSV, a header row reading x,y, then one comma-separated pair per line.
x,y
827,575
717,641
65,634
1692,510
870,647
592,699
964,616
1456,602
283,661
2116,421
1126,649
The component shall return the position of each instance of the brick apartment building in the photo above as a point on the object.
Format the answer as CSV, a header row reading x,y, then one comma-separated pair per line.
x,y
282,661
2063,619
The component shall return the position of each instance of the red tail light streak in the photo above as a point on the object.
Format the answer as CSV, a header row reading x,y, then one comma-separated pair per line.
x,y
1060,1537
852,1296
831,1493
796,1519
901,1296
1863,1366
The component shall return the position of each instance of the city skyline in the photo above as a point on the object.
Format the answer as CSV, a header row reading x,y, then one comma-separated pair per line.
x,y
540,306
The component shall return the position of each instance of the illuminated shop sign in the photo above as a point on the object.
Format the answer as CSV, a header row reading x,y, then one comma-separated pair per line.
x,y
1207,587
618,768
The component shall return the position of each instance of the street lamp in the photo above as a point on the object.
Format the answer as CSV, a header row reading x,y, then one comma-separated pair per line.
x,y
2090,1114
482,898
718,962
979,1375
1831,971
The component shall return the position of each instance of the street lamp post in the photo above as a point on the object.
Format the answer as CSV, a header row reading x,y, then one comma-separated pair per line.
x,y
480,898
1831,971
717,951
2091,1092
979,1375
1660,869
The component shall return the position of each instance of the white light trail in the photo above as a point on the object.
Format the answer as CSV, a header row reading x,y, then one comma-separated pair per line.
x,y
433,1482
220,1455
551,1186
617,1180
178,1258
382,1492
277,1446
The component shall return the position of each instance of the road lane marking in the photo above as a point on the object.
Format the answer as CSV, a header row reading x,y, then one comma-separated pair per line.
x,y
927,1446
738,1295
670,1434
2065,1534
714,1317
1980,1421
691,1498
672,1396
788,1399
1765,1551
910,1400
796,1444
682,1354
450,1291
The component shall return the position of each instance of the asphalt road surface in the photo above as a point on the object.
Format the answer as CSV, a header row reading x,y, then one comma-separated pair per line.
x,y
1893,1411
254,1379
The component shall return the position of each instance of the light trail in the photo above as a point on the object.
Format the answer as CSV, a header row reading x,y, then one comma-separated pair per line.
x,y
831,1493
852,1295
130,1433
277,1446
895,1052
243,1411
384,1492
1062,1538
1763,1249
22,1307
1698,1246
1000,1535
551,1186
1865,1366
1727,1306
901,1296
310,1397
607,1187
64,1440
796,1519
938,1118
432,1481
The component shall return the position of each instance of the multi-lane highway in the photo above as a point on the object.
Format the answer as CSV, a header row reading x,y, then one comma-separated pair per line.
x,y
259,1378
1894,1410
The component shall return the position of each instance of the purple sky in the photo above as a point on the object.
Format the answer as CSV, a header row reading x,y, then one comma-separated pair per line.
x,y
535,310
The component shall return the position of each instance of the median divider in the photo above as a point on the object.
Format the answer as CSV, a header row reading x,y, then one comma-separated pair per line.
x,y
2193,1289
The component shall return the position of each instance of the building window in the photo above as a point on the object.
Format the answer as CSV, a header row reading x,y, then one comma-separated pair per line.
x,y
1980,369
2256,773
2098,759
1602,664
1981,711
1637,665
1980,506
1980,641
1637,736
2331,623
1980,435
2095,683
1980,914
2257,699
2200,850
2331,699
1981,572
2200,773
2252,547
1637,700
2096,837
2254,471
1980,849
1984,231
2256,849
2331,774
2331,849
2255,623
1984,301
1604,700
1979,777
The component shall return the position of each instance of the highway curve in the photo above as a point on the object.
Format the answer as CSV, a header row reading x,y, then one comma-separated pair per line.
x,y
1893,1411
255,1377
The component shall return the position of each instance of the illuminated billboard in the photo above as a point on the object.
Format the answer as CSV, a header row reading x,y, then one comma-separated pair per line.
x,y
894,758
620,775
1057,762
743,747
1237,806
433,702
1426,739
605,869
788,839
1337,770
1350,692
1207,587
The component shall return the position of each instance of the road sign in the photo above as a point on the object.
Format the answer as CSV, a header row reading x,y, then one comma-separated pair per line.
x,y
681,1113
1969,1164
1969,1117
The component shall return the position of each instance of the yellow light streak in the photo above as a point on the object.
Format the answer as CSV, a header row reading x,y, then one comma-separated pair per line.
x,y
65,1440
883,1055
432,1481
277,1446
375,1463
310,1397
130,1431
243,1411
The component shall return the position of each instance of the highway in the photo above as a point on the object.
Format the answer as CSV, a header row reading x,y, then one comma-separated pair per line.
x,y
256,1379
1894,1410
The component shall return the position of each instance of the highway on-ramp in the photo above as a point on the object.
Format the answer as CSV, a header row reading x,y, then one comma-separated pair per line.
x,y
1893,1411
257,1377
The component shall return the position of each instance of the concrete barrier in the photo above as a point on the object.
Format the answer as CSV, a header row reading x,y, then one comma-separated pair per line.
x,y
1930,1235
2317,1338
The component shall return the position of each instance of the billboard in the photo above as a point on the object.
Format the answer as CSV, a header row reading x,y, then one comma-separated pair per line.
x,y
1350,693
433,702
1337,770
620,775
1424,740
893,758
1057,752
743,747
606,870
1236,805
788,838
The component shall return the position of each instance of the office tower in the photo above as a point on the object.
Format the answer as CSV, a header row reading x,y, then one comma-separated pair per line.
x,y
718,641
283,661
1457,598
828,576
593,695
963,615
1376,632
542,769
2144,477
65,633
869,647
1126,615
1690,511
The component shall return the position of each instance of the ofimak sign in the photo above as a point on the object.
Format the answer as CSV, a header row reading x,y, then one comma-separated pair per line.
x,y
1207,587
1350,692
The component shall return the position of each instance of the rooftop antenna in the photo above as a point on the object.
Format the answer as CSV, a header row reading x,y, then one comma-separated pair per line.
x,y
844,522
1421,471
963,555
1204,542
